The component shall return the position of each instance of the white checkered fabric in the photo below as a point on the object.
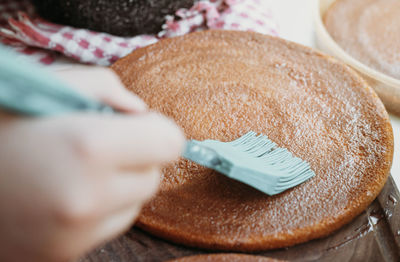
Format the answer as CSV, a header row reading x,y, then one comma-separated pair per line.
x,y
23,30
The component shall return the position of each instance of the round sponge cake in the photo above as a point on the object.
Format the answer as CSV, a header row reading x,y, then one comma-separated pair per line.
x,y
222,84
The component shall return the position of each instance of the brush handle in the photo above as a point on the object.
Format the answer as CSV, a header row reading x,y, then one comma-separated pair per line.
x,y
30,90
197,152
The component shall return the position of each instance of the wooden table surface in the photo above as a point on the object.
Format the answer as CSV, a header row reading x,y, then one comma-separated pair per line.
x,y
372,236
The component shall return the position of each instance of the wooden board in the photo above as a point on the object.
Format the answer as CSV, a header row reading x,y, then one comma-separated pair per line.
x,y
372,236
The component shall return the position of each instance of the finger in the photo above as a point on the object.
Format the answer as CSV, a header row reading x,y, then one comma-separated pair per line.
x,y
126,141
110,90
104,85
121,191
123,100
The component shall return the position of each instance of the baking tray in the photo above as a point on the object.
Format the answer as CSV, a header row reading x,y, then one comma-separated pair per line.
x,y
372,236
387,88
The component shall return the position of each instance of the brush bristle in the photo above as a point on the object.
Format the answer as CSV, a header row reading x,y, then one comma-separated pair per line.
x,y
254,160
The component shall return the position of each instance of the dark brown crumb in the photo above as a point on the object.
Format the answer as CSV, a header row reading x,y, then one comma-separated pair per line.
x,y
118,17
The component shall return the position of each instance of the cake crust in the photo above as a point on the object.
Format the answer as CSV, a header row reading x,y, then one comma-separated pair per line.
x,y
226,258
222,84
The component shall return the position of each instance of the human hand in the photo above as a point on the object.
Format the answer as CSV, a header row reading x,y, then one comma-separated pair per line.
x,y
104,85
70,183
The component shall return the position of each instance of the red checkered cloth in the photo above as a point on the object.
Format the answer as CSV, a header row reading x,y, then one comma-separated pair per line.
x,y
8,10
22,29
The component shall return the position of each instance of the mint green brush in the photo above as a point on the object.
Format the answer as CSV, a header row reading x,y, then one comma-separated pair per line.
x,y
251,159
28,89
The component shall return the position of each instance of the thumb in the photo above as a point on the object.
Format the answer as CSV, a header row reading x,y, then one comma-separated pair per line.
x,y
129,140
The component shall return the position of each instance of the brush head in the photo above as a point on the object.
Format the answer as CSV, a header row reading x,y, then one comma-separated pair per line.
x,y
252,159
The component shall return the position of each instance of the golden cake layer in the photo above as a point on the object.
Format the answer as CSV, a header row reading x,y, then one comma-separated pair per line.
x,y
222,84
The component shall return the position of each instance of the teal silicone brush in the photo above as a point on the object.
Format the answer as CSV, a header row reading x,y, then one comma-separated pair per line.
x,y
251,159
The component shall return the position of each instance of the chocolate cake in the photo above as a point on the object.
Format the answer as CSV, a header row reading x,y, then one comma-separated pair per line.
x,y
222,84
369,30
118,17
